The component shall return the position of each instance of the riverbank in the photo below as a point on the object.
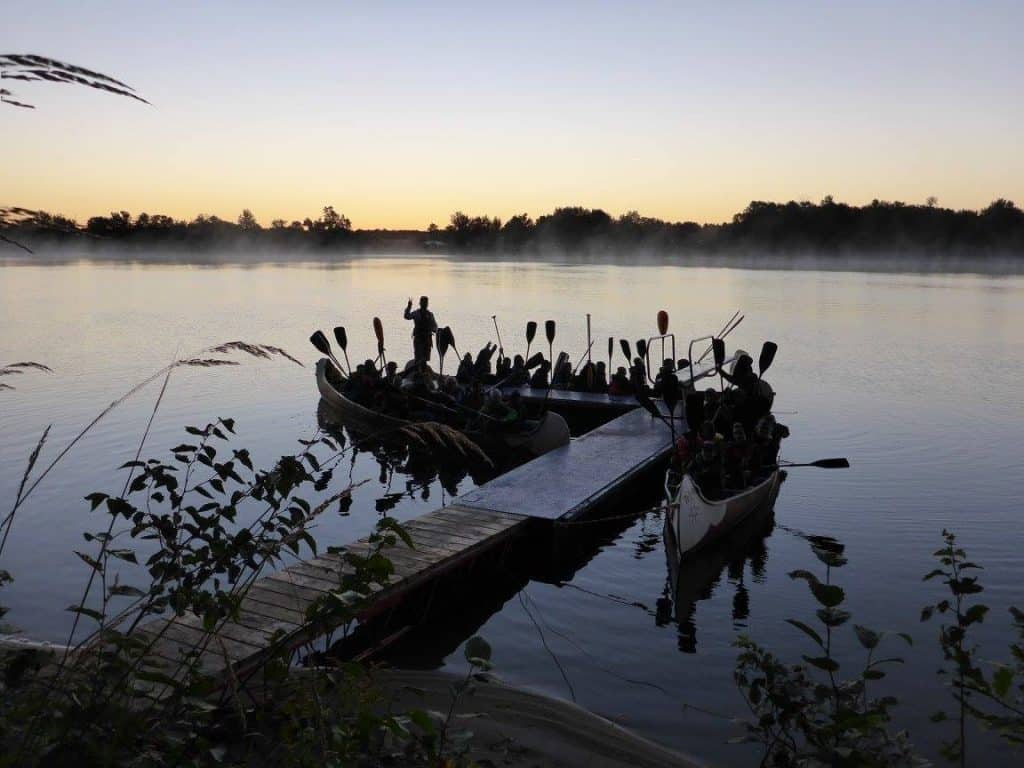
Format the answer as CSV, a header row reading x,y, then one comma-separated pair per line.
x,y
518,728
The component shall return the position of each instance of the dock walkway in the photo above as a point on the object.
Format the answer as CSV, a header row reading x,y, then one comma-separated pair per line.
x,y
561,485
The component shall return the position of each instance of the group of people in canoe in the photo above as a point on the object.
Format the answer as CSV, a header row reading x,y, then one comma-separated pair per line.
x,y
733,439
732,442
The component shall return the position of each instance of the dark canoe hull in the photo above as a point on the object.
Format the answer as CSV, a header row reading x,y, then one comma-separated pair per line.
x,y
550,432
697,522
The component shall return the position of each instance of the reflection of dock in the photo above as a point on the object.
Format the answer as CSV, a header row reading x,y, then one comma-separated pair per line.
x,y
564,484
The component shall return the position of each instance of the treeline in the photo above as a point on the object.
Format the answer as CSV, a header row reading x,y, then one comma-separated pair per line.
x,y
827,226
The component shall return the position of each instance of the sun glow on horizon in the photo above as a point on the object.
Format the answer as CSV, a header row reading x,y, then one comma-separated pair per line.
x,y
399,117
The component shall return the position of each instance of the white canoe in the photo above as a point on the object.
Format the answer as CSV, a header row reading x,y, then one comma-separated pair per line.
x,y
550,432
696,521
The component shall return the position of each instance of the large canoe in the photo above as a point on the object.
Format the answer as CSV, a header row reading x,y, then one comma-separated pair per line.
x,y
534,439
697,522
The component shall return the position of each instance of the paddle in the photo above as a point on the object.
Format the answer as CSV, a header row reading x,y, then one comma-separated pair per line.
x,y
589,342
320,341
549,331
584,355
451,339
378,329
728,329
641,349
342,338
501,347
611,348
671,394
663,329
764,362
662,322
442,348
718,345
627,351
820,464
533,362
652,409
531,331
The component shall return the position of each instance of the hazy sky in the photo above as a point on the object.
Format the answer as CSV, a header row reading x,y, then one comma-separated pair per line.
x,y
400,113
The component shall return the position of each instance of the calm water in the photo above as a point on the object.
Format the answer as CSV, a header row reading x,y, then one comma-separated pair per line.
x,y
914,378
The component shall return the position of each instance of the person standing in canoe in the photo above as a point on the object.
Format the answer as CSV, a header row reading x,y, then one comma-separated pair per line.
x,y
423,329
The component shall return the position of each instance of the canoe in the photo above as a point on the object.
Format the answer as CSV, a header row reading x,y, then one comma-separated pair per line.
x,y
697,522
535,439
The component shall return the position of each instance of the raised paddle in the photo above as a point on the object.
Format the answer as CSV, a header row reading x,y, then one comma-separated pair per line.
x,y
323,346
531,331
718,346
549,331
533,362
442,348
662,322
378,329
651,408
820,464
764,362
501,347
627,351
589,342
342,338
611,348
662,329
451,339
641,349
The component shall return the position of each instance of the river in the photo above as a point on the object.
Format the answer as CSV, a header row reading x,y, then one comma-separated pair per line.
x,y
914,377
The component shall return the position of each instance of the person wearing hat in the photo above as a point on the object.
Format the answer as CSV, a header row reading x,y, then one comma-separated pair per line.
x,y
423,329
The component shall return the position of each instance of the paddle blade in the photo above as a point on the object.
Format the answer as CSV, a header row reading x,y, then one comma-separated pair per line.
x,y
549,330
626,350
531,331
718,346
647,404
662,322
442,341
670,392
641,348
831,463
767,356
535,360
378,329
320,341
341,337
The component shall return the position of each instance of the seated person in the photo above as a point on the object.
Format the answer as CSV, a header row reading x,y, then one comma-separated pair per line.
x,y
539,380
620,383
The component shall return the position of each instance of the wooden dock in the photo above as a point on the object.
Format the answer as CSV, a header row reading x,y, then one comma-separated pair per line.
x,y
561,485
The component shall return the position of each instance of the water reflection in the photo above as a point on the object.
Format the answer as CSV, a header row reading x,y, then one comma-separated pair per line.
x,y
405,466
696,578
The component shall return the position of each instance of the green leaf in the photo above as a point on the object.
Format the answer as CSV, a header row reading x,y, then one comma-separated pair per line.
x,y
807,631
828,595
92,614
872,674
976,613
126,591
822,662
933,574
867,637
95,499
1002,680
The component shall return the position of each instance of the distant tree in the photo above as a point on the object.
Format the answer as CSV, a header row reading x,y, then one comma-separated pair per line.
x,y
278,224
932,201
332,221
247,221
517,231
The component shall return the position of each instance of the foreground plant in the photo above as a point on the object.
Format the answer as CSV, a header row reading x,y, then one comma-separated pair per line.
x,y
808,714
990,692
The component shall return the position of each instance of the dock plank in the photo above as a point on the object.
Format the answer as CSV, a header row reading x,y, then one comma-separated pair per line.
x,y
567,482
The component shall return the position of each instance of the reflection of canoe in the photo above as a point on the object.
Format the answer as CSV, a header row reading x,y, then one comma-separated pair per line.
x,y
696,521
534,438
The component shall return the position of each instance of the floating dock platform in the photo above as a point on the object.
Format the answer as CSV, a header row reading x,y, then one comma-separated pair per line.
x,y
562,485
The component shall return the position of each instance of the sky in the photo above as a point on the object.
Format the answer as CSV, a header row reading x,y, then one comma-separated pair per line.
x,y
398,114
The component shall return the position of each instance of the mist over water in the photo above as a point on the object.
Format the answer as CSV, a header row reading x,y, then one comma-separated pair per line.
x,y
913,376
